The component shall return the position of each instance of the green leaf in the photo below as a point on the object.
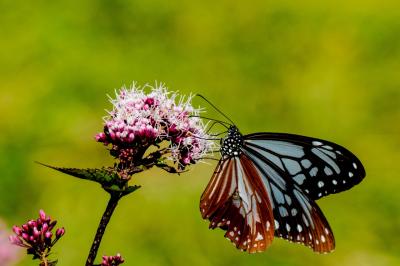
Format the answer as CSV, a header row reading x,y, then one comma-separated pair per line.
x,y
105,176
124,191
108,178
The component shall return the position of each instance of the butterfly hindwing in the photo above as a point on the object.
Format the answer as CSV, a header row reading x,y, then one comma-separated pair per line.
x,y
317,166
297,218
243,210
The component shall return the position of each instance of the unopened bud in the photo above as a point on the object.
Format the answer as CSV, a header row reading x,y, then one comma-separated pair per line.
x,y
36,232
45,227
31,223
48,234
60,232
25,236
17,230
42,215
15,240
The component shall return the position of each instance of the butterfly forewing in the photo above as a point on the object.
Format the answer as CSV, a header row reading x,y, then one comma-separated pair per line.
x,y
243,210
317,166
297,218
219,190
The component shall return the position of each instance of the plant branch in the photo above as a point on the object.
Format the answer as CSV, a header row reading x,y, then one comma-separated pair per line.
x,y
112,204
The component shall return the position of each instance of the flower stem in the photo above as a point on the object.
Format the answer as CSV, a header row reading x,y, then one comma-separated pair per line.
x,y
43,262
112,204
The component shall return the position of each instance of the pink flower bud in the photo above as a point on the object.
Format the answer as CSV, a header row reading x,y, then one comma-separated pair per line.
x,y
31,223
48,234
42,215
101,137
60,232
149,101
17,230
36,232
131,137
112,135
186,160
45,227
25,236
15,240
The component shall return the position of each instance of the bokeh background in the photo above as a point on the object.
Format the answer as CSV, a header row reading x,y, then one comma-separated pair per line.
x,y
329,70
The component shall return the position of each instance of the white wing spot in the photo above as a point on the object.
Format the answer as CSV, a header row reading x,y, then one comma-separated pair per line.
x,y
317,242
293,211
259,237
326,231
276,224
299,228
355,165
351,174
231,233
334,182
317,143
319,194
268,225
323,239
320,184
288,227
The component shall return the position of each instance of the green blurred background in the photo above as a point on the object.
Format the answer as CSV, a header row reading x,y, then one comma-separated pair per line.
x,y
329,70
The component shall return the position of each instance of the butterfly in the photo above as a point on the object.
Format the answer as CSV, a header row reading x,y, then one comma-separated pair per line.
x,y
265,185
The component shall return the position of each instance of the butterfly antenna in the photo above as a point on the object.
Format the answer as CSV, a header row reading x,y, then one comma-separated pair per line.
x,y
219,111
224,124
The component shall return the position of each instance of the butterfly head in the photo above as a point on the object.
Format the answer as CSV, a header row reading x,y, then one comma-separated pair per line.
x,y
231,145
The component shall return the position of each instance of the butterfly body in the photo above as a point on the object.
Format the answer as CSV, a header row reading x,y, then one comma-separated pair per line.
x,y
232,144
266,184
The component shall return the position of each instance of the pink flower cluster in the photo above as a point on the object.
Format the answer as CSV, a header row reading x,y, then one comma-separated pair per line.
x,y
112,260
37,236
140,120
9,254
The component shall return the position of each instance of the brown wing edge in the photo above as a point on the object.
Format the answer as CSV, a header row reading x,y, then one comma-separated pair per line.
x,y
248,222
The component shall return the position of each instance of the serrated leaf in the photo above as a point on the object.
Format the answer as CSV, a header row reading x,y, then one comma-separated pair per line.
x,y
104,176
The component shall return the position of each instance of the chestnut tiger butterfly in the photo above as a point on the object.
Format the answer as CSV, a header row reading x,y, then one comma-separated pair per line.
x,y
265,185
